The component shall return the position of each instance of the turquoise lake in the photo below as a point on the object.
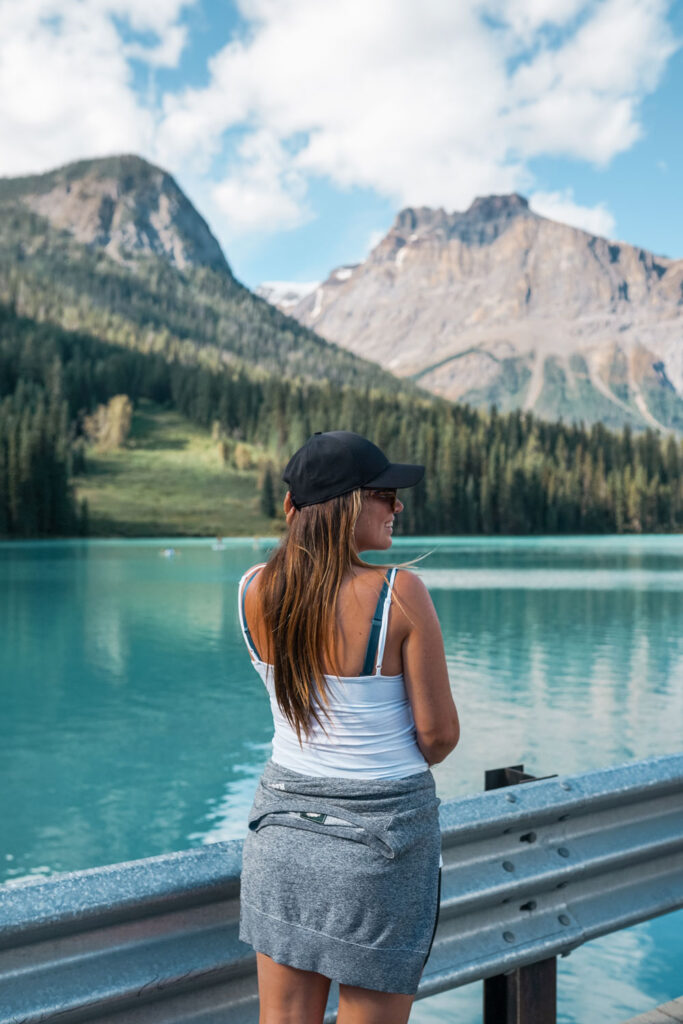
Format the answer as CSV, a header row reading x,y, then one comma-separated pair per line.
x,y
132,723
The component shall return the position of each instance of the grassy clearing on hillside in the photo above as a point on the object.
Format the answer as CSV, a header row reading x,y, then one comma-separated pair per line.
x,y
169,481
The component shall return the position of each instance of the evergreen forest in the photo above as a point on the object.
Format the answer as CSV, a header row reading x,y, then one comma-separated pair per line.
x,y
486,473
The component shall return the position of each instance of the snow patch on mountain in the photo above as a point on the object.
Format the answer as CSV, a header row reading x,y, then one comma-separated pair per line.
x,y
285,294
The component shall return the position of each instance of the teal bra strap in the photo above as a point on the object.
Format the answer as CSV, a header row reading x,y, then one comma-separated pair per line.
x,y
247,634
373,639
375,629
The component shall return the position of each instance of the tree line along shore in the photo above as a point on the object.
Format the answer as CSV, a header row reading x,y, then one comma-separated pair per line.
x,y
64,394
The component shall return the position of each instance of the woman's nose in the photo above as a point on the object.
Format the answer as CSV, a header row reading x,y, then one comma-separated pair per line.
x,y
399,506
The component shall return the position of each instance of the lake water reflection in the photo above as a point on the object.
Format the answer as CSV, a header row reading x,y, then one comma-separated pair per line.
x,y
133,724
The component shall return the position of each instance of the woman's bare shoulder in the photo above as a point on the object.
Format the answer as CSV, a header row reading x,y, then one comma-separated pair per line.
x,y
413,602
250,585
252,573
410,587
365,578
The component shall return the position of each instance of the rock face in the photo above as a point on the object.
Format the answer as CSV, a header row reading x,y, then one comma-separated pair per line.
x,y
170,290
123,205
498,304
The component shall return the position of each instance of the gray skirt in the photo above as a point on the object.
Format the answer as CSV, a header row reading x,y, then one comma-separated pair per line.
x,y
341,876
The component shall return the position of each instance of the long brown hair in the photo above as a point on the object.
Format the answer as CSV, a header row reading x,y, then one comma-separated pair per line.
x,y
298,593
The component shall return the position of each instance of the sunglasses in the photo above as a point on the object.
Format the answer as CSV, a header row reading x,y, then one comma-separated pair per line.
x,y
390,497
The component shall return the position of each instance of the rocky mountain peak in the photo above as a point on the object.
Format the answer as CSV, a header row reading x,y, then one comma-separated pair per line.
x,y
420,218
481,224
124,205
491,207
498,304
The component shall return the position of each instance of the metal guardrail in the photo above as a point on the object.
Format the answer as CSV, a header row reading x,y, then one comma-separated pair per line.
x,y
530,872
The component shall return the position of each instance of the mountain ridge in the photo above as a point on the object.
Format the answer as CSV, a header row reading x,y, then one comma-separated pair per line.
x,y
81,324
123,205
499,305
152,276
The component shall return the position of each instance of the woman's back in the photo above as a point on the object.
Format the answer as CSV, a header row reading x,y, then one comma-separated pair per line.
x,y
356,605
413,648
367,729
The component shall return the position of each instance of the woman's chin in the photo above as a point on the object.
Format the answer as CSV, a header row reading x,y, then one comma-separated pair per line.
x,y
377,543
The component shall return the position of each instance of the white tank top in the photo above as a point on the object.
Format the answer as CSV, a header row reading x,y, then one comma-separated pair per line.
x,y
370,732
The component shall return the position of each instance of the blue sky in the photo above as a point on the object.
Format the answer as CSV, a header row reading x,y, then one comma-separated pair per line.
x,y
299,128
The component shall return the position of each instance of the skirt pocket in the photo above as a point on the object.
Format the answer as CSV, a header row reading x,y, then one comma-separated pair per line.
x,y
322,822
340,877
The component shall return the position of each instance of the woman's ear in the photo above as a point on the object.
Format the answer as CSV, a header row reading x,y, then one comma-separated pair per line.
x,y
290,510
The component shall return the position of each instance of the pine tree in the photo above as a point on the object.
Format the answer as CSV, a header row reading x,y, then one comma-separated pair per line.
x,y
267,493
84,518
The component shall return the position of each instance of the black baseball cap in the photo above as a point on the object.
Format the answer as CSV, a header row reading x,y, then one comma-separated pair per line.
x,y
339,461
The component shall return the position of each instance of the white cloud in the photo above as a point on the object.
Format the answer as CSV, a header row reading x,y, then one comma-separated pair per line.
x,y
426,104
581,99
525,19
264,190
65,82
167,51
561,206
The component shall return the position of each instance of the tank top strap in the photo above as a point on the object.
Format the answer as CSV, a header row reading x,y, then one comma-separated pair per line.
x,y
378,629
241,594
385,621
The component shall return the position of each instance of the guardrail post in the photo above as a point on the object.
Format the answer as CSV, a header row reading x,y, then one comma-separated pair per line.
x,y
527,995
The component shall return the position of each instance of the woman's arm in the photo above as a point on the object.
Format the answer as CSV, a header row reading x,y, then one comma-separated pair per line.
x,y
425,671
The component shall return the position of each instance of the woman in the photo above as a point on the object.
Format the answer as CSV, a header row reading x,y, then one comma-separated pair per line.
x,y
340,876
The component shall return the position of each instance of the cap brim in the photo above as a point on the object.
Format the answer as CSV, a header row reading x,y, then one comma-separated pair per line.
x,y
397,474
